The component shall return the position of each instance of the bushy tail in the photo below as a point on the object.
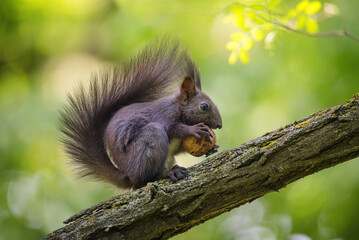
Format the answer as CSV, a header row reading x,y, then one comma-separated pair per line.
x,y
146,77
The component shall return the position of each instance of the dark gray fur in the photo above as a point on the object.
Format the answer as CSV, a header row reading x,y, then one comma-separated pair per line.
x,y
129,115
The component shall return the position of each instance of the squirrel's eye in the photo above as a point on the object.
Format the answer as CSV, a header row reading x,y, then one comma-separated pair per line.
x,y
204,106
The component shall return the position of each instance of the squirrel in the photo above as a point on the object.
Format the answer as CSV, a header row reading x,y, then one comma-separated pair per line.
x,y
127,126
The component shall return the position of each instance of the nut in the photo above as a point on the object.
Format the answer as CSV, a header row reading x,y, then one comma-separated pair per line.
x,y
200,148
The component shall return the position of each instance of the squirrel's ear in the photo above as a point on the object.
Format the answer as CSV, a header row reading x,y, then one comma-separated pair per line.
x,y
188,88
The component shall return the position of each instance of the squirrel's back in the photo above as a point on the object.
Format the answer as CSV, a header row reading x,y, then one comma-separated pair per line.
x,y
150,75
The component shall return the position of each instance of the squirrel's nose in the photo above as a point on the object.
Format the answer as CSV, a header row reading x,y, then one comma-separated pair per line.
x,y
214,124
218,125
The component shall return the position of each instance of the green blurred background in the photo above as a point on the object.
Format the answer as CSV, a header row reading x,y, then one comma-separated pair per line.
x,y
48,47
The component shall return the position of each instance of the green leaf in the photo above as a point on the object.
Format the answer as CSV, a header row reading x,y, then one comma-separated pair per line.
x,y
273,3
243,56
239,20
292,13
247,43
236,9
267,27
232,58
257,35
300,22
313,7
239,17
302,5
237,36
268,41
254,17
231,45
311,26
330,9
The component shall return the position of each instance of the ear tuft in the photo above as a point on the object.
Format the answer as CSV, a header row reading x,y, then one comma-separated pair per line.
x,y
188,87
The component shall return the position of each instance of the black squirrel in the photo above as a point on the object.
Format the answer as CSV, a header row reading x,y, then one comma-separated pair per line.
x,y
125,128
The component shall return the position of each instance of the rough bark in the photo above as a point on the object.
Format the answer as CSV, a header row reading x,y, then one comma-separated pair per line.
x,y
228,180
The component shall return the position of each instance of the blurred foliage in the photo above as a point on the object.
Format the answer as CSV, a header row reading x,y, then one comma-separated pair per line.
x,y
263,19
47,47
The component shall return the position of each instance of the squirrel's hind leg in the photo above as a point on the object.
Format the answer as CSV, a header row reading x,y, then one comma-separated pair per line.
x,y
149,152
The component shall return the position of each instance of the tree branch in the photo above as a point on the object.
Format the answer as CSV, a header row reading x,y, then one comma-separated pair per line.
x,y
334,33
228,180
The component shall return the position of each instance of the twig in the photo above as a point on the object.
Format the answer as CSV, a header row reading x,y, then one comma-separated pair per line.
x,y
334,33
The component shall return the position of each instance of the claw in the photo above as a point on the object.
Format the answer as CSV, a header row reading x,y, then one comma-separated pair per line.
x,y
179,174
176,173
207,138
213,150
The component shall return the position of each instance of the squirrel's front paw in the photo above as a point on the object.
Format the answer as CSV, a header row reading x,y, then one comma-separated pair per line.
x,y
176,173
201,130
